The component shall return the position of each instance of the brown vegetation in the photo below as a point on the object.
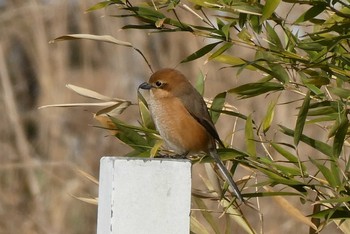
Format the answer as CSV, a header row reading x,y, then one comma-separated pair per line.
x,y
41,149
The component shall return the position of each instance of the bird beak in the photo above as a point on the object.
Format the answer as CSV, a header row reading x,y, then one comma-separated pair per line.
x,y
145,85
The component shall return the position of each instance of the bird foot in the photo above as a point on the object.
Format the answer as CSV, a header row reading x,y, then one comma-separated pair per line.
x,y
174,156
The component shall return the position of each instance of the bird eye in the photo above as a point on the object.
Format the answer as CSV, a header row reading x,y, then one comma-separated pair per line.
x,y
158,83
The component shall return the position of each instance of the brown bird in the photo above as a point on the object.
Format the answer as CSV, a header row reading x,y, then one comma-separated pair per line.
x,y
182,118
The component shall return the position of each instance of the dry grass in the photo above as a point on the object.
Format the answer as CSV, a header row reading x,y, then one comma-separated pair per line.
x,y
41,149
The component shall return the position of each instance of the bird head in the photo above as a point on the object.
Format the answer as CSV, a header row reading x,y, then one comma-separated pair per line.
x,y
167,83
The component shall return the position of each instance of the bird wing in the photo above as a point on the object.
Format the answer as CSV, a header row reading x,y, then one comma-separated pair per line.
x,y
197,107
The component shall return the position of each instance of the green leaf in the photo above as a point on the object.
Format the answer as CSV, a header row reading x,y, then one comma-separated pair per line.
x,y
256,24
339,118
208,216
145,114
340,92
237,217
279,179
99,6
226,31
270,194
279,72
255,89
285,170
242,20
234,61
249,137
336,171
289,156
200,84
221,50
273,38
318,145
225,154
218,104
328,175
330,117
322,110
311,13
246,8
301,119
340,135
335,200
266,123
130,136
201,52
229,112
269,9
245,36
333,213
147,13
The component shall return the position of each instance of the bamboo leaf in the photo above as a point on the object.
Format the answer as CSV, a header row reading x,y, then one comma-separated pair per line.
x,y
269,9
335,200
266,123
279,72
333,213
130,136
318,145
291,210
311,13
231,113
89,93
322,110
103,38
301,119
326,172
114,110
285,170
207,215
289,156
249,137
201,52
272,36
279,179
146,117
83,104
255,89
197,227
99,6
221,50
236,215
200,84
234,61
340,135
91,201
217,104
340,92
245,36
154,150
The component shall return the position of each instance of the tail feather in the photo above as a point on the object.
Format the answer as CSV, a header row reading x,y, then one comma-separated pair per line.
x,y
226,174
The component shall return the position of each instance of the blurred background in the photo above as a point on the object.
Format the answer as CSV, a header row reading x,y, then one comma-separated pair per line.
x,y
42,151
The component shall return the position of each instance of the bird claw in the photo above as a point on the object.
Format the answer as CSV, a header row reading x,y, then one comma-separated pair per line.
x,y
173,156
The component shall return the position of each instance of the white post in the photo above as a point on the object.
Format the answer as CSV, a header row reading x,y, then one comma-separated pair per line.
x,y
144,196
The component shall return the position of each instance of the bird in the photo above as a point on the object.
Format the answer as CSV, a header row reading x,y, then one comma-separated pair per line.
x,y
182,118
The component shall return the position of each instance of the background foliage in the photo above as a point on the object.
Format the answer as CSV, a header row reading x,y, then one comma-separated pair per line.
x,y
308,56
284,69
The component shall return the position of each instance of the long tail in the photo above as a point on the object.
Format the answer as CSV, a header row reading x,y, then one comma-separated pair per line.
x,y
226,174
